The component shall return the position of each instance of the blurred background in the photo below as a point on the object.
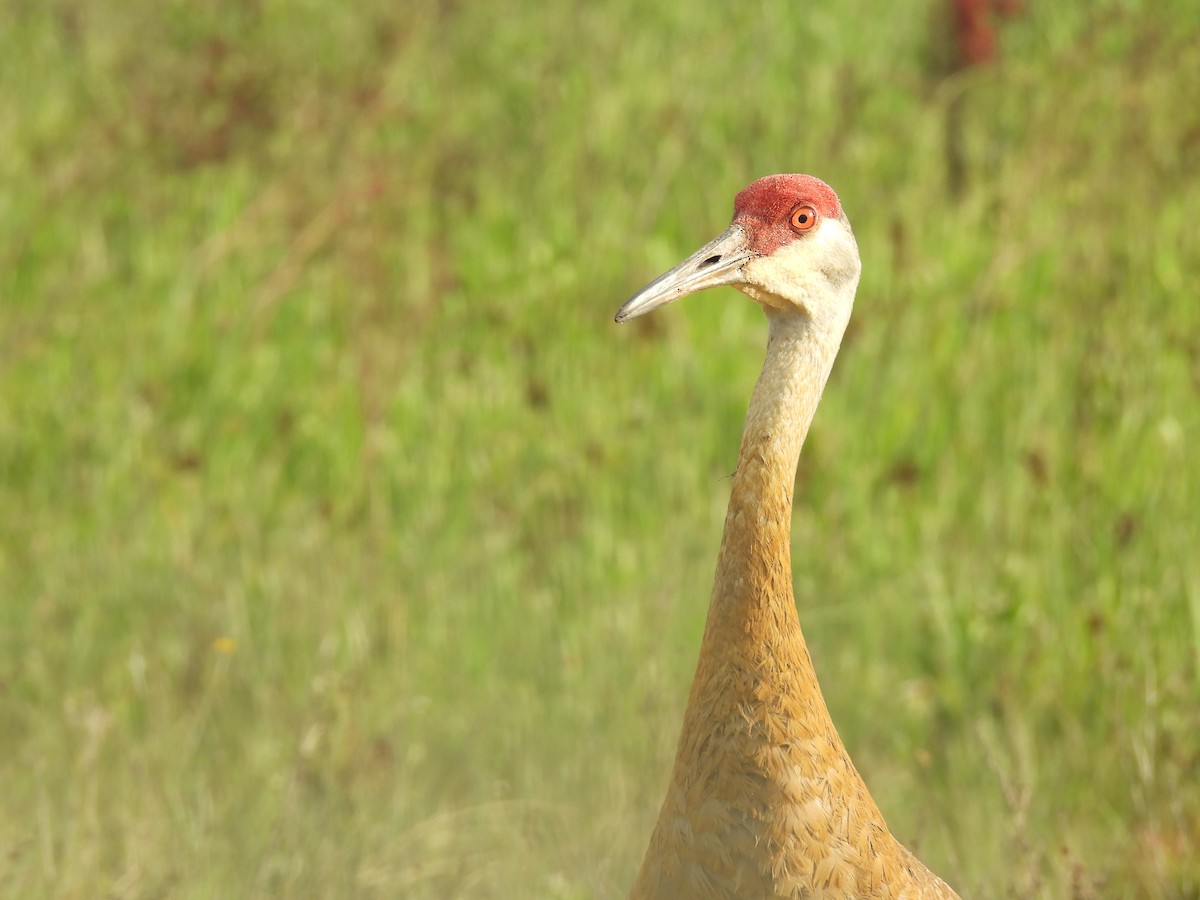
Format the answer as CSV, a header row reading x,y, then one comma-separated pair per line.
x,y
348,549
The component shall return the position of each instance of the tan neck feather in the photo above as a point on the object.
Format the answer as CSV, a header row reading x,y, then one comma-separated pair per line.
x,y
754,568
763,800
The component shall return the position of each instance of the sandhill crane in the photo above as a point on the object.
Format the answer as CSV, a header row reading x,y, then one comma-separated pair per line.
x,y
764,800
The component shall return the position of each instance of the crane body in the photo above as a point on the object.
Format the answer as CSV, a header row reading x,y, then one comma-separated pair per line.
x,y
764,800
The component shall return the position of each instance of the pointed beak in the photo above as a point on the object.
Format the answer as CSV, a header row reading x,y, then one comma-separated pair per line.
x,y
717,262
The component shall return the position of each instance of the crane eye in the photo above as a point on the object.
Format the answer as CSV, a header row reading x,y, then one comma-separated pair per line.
x,y
803,218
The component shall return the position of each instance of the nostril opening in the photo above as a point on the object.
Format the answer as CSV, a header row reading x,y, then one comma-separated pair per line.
x,y
711,261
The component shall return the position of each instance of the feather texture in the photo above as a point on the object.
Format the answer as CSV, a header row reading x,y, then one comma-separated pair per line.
x,y
763,800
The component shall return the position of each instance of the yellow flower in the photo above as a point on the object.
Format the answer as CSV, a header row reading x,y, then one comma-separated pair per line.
x,y
224,645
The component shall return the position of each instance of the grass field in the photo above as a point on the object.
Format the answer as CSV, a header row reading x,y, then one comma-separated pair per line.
x,y
347,549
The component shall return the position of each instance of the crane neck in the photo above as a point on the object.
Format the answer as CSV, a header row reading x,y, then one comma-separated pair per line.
x,y
764,800
754,564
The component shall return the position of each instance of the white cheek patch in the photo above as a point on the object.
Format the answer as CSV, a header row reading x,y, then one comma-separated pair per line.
x,y
817,274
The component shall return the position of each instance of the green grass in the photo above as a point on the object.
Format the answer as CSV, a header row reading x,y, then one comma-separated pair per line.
x,y
347,549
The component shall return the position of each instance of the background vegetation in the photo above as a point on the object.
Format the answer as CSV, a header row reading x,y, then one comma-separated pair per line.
x,y
347,549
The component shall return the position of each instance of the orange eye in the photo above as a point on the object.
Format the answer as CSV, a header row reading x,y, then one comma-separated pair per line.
x,y
803,218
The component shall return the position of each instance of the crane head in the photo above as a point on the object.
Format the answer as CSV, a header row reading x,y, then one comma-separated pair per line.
x,y
789,246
